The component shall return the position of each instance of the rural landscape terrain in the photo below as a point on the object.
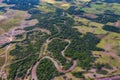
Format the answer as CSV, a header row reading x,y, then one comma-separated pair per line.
x,y
59,39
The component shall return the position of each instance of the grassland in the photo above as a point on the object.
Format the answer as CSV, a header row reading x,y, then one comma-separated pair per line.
x,y
81,44
1,13
112,38
110,43
2,61
48,1
2,50
100,8
13,19
2,56
60,4
89,26
86,0
107,59
45,7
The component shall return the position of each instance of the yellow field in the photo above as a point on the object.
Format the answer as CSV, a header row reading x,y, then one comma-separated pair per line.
x,y
48,1
107,58
87,26
86,0
2,50
112,38
46,8
59,4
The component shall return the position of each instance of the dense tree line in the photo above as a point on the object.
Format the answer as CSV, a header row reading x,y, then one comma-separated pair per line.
x,y
78,75
107,16
46,70
111,28
2,9
80,49
19,69
74,11
22,4
112,1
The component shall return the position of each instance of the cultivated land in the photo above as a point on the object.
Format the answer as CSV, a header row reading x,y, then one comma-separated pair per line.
x,y
60,40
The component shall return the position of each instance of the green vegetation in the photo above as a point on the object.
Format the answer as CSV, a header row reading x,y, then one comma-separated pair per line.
x,y
27,54
82,49
78,75
60,26
2,61
118,51
104,72
99,8
80,46
20,68
55,48
99,66
80,22
13,21
45,7
46,70
111,28
9,24
22,5
67,65
2,10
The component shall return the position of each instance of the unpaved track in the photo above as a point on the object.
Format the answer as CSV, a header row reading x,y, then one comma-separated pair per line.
x,y
63,52
6,58
59,69
34,75
43,53
6,53
111,78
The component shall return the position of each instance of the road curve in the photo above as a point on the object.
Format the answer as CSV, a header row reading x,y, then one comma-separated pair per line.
x,y
59,69
34,74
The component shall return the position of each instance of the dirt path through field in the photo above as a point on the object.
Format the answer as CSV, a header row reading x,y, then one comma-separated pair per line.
x,y
6,54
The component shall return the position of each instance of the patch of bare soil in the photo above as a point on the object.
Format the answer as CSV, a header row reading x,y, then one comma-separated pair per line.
x,y
92,16
2,17
100,36
34,75
117,24
5,38
111,78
